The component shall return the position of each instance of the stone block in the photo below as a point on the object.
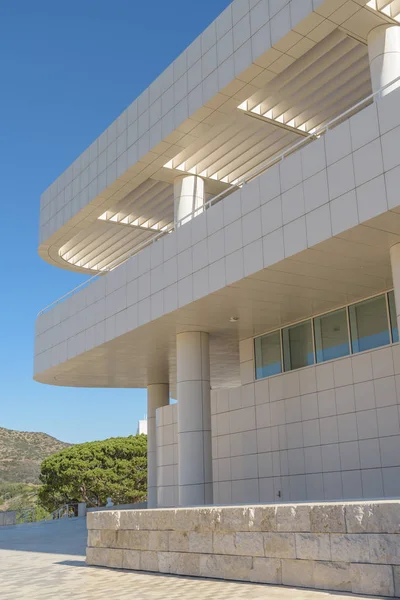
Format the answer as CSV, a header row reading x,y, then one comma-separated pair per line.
x,y
226,567
94,538
108,539
372,579
104,519
249,544
156,520
178,541
382,517
131,560
178,563
279,545
94,556
209,519
185,519
158,541
266,570
105,557
298,572
384,548
235,518
131,519
195,519
201,543
262,518
187,564
332,576
350,547
312,546
396,575
328,518
149,561
165,520
294,518
133,540
164,562
224,543
149,520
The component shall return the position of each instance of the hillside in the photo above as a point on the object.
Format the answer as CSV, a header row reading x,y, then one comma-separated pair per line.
x,y
21,453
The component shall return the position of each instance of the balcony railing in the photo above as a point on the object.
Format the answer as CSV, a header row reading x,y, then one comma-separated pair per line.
x,y
317,133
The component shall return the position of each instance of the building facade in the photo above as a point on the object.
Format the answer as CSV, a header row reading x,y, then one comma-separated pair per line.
x,y
240,223
142,427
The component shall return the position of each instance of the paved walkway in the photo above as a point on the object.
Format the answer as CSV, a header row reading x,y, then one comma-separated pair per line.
x,y
46,562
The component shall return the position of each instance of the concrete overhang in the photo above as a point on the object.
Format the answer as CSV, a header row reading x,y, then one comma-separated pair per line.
x,y
308,235
329,275
252,84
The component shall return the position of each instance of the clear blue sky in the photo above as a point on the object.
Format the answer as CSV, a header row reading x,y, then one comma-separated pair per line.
x,y
67,70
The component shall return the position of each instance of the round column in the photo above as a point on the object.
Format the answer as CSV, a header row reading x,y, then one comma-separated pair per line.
x,y
157,396
194,419
189,197
384,57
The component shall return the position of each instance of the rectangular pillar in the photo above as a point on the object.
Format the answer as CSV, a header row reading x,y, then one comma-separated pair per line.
x,y
157,396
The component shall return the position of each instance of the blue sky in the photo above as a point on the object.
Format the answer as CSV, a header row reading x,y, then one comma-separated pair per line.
x,y
67,70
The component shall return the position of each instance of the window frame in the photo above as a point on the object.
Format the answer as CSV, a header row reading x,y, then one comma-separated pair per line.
x,y
312,319
346,315
302,322
279,333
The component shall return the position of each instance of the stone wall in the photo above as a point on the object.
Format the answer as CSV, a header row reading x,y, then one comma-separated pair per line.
x,y
350,547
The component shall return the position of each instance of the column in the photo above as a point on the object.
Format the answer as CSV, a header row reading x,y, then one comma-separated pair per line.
x,y
194,419
189,197
384,57
157,396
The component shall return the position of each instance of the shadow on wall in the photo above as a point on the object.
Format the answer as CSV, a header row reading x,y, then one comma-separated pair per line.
x,y
55,537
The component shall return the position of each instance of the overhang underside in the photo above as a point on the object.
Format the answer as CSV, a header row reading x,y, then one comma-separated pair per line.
x,y
318,86
341,270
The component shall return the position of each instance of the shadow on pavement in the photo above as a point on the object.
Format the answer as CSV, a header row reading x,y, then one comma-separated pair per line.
x,y
73,563
55,537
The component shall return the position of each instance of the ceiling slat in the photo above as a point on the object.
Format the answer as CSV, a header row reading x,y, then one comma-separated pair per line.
x,y
294,70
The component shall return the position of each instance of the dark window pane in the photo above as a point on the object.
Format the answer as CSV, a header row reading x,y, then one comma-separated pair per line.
x,y
268,355
369,324
331,335
298,348
393,318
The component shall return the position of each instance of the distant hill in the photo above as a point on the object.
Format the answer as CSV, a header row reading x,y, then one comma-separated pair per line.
x,y
21,453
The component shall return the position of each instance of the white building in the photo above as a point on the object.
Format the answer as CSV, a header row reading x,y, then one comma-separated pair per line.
x,y
241,220
142,427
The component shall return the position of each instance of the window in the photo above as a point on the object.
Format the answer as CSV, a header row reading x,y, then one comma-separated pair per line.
x,y
373,323
331,335
268,355
298,350
393,318
369,324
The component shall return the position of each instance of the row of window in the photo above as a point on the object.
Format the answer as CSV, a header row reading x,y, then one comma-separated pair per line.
x,y
355,328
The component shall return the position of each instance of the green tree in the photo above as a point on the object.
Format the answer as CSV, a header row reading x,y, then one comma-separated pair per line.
x,y
115,468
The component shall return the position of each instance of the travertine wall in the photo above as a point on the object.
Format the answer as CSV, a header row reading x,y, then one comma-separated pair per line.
x,y
324,432
353,547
